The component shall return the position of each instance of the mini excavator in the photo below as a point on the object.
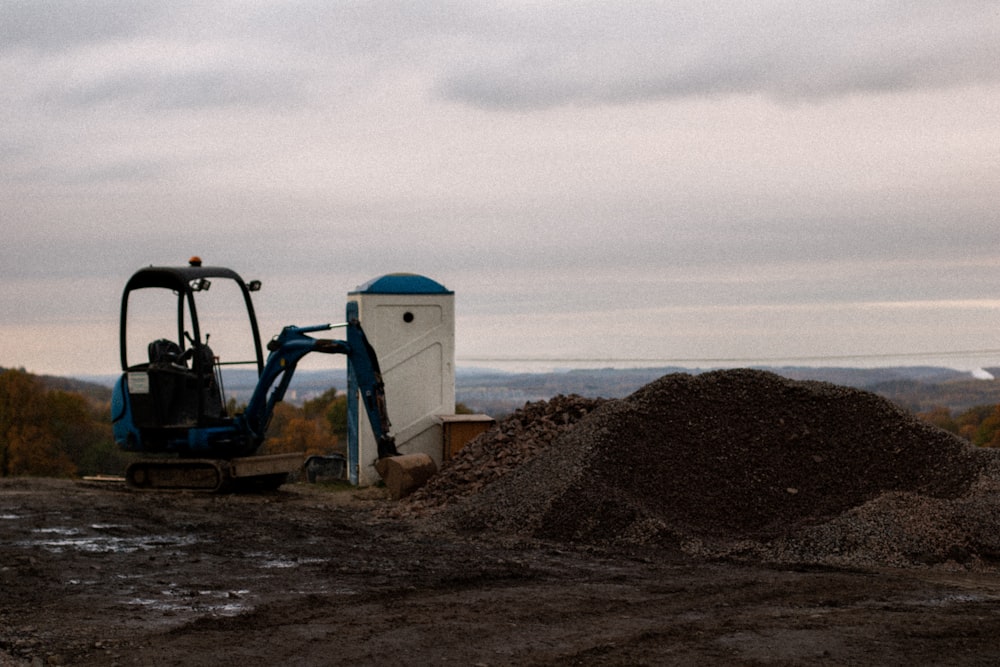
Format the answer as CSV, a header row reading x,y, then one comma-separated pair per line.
x,y
171,402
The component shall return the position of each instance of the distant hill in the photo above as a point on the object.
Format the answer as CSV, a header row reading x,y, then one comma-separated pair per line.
x,y
95,390
915,388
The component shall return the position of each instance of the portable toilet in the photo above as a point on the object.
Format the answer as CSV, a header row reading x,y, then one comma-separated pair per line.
x,y
409,320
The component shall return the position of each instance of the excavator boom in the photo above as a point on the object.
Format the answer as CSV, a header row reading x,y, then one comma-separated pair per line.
x,y
289,347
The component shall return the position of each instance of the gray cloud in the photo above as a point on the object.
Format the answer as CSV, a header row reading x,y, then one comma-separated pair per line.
x,y
54,26
788,51
511,57
200,88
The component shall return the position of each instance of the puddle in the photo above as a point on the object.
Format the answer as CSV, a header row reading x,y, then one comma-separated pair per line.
x,y
271,561
281,563
57,531
956,599
59,540
174,601
9,517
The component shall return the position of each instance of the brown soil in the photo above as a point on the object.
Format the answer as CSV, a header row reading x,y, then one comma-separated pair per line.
x,y
732,518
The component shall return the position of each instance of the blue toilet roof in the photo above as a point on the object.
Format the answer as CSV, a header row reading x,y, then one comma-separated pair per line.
x,y
401,283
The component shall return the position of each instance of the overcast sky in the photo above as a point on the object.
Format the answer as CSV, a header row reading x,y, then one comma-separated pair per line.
x,y
722,184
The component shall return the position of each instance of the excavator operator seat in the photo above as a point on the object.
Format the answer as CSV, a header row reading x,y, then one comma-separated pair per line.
x,y
205,372
163,351
173,395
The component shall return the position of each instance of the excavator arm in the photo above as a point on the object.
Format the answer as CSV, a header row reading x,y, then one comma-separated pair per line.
x,y
287,349
402,474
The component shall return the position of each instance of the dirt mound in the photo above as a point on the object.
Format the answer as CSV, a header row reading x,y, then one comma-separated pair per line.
x,y
722,458
514,441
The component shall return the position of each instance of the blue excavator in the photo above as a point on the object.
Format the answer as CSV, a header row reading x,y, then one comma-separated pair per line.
x,y
170,402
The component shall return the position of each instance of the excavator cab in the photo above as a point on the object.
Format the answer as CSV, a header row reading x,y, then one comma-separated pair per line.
x,y
172,379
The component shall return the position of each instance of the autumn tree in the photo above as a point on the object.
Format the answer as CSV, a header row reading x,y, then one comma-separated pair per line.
x,y
331,407
940,417
971,423
986,433
980,425
336,415
53,432
317,407
29,445
291,430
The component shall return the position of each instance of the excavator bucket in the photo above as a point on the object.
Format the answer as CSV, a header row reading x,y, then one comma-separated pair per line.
x,y
405,473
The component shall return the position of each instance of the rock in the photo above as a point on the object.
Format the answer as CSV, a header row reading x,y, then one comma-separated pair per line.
x,y
405,474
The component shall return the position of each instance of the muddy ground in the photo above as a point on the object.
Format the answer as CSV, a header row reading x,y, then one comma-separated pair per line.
x,y
99,575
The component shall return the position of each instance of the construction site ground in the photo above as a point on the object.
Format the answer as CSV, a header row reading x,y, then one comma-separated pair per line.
x,y
95,574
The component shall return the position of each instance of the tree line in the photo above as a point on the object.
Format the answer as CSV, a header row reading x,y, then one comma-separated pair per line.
x,y
979,425
55,432
318,427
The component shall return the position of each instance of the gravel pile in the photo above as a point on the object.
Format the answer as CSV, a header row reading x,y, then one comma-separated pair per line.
x,y
740,464
896,528
512,442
